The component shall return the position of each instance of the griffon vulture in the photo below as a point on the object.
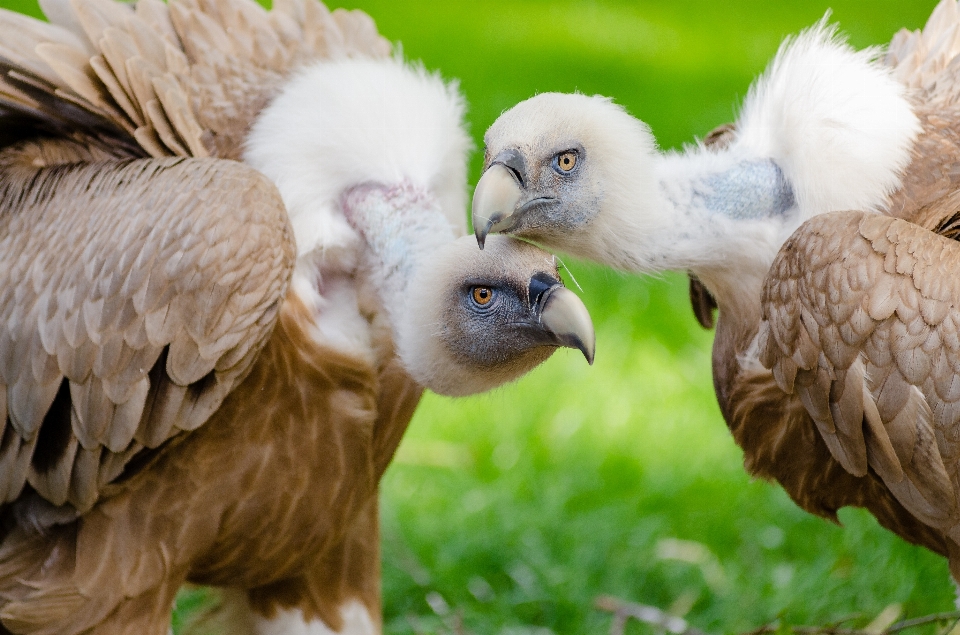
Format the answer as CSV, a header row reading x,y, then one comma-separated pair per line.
x,y
823,223
228,269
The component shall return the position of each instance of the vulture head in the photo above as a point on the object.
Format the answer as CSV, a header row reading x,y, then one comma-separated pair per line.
x,y
502,312
465,320
370,158
558,167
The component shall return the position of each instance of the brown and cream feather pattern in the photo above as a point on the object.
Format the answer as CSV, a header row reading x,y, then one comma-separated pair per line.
x,y
144,293
860,329
140,292
179,79
268,516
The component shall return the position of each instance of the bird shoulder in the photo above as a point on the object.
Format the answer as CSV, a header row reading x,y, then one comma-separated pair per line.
x,y
184,79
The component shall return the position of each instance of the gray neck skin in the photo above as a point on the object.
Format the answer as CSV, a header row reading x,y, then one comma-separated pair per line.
x,y
752,189
724,226
712,219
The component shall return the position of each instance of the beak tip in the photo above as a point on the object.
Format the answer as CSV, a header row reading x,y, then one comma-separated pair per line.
x,y
589,352
481,231
565,316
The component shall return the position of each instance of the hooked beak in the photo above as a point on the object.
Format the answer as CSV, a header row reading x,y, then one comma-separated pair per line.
x,y
566,318
497,194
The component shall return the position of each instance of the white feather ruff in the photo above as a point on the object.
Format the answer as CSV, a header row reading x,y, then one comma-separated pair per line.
x,y
338,124
837,124
834,119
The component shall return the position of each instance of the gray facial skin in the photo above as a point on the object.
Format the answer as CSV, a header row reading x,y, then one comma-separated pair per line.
x,y
526,191
516,322
479,319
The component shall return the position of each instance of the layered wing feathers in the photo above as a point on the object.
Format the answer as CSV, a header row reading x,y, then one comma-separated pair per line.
x,y
927,60
133,297
860,320
184,79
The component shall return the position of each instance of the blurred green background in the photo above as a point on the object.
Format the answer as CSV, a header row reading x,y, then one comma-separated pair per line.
x,y
509,513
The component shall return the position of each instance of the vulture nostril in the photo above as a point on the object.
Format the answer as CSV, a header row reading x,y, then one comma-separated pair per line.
x,y
516,174
539,283
513,161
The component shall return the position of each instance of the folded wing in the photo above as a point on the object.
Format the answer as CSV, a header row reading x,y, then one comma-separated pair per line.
x,y
860,320
134,296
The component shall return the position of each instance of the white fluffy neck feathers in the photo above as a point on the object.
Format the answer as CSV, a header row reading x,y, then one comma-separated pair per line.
x,y
338,124
833,121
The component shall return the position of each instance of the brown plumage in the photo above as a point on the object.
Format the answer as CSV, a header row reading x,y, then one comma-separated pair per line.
x,y
157,330
174,407
857,324
865,355
793,452
836,352
184,79
834,251
859,317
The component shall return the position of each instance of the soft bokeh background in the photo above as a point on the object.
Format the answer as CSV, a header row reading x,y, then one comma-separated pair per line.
x,y
509,513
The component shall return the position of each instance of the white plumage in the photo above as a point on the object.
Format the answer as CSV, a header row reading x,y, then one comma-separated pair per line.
x,y
402,124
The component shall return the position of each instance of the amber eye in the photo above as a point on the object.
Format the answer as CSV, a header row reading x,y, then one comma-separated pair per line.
x,y
567,161
482,295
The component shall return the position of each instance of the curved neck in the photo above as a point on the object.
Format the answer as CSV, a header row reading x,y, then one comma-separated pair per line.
x,y
403,227
720,216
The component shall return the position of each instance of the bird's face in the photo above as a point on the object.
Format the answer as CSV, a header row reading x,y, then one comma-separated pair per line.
x,y
551,164
479,319
532,189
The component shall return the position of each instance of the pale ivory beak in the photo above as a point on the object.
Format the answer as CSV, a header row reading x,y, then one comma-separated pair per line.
x,y
494,201
564,315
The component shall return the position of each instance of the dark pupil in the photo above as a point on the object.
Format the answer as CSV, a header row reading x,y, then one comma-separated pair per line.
x,y
483,293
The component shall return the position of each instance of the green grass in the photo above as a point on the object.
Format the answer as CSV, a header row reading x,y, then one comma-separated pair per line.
x,y
513,511
518,508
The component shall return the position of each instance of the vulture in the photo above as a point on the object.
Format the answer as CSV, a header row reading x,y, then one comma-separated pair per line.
x,y
823,225
229,267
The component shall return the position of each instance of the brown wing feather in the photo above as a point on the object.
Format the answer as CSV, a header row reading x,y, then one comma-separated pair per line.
x,y
296,527
396,403
926,62
793,453
930,190
859,321
133,297
922,59
184,79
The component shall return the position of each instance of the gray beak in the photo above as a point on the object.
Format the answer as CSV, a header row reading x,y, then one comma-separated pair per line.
x,y
497,194
565,317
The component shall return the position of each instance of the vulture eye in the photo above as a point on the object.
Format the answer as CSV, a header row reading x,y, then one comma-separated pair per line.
x,y
482,295
566,161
